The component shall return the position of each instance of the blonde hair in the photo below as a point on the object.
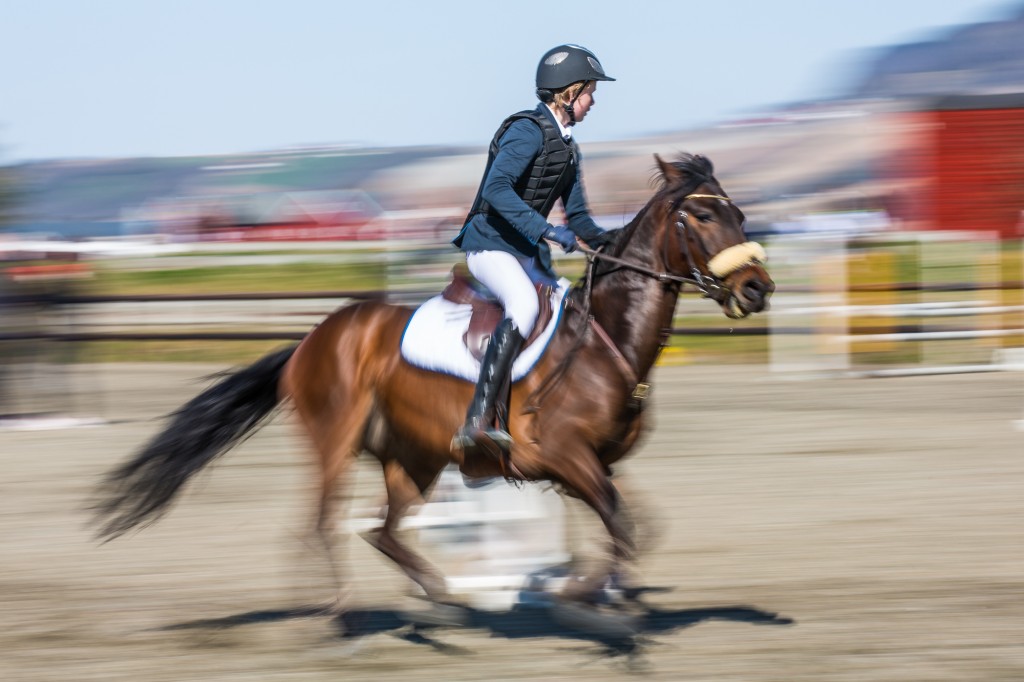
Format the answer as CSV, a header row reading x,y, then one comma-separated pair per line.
x,y
565,95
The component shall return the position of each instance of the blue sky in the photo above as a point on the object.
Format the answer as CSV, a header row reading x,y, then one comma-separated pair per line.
x,y
107,78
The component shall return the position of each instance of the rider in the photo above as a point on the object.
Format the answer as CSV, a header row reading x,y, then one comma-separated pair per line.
x,y
533,160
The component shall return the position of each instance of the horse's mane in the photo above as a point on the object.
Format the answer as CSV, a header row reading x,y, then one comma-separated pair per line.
x,y
696,170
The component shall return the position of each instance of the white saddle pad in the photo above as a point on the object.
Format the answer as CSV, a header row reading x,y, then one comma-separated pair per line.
x,y
433,338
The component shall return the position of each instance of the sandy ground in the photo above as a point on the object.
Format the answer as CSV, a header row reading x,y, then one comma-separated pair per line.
x,y
825,530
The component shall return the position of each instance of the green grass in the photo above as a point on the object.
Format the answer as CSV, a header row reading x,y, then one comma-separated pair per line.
x,y
220,352
230,280
368,274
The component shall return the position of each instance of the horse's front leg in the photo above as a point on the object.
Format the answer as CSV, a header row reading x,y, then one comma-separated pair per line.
x,y
584,477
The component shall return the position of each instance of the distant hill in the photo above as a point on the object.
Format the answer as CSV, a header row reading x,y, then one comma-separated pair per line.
x,y
81,198
973,59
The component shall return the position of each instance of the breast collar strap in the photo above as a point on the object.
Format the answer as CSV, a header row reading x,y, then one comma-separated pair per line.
x,y
641,389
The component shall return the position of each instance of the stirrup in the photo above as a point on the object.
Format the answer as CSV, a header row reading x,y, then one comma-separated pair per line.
x,y
461,440
494,443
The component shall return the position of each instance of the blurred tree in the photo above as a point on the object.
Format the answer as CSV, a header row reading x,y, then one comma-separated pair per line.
x,y
7,196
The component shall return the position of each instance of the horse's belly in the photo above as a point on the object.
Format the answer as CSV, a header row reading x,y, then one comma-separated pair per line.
x,y
420,409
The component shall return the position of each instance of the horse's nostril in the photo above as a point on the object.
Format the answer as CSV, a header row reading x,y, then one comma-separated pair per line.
x,y
754,289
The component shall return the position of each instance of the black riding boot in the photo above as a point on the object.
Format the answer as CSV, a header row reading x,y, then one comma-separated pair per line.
x,y
479,432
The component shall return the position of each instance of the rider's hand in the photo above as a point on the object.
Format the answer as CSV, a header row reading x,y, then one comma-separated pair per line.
x,y
562,236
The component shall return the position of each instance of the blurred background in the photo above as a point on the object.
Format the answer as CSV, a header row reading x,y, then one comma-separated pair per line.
x,y
194,182
186,185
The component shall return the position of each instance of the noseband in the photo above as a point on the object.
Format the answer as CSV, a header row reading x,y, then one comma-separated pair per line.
x,y
720,266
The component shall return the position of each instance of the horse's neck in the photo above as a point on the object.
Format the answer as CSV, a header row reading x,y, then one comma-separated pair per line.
x,y
634,308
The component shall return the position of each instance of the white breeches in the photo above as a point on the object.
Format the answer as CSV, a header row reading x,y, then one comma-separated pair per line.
x,y
502,273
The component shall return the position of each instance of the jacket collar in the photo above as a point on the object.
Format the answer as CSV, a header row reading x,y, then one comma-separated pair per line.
x,y
566,133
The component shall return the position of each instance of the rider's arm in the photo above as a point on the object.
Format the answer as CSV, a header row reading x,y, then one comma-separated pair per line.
x,y
517,149
577,212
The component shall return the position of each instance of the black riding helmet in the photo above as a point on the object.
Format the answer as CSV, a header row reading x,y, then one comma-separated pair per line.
x,y
564,65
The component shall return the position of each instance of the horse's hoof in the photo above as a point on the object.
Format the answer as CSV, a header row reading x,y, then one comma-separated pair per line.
x,y
438,614
596,622
584,591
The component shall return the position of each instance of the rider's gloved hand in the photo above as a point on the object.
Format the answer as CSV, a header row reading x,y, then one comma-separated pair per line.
x,y
562,236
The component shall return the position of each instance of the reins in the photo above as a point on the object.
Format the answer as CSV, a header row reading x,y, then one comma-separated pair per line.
x,y
640,389
534,400
709,285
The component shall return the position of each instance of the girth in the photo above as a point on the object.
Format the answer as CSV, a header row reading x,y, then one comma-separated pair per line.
x,y
487,312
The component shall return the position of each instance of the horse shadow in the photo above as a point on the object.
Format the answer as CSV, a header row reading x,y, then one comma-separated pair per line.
x,y
517,623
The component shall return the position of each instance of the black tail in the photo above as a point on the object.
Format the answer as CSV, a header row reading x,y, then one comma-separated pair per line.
x,y
139,492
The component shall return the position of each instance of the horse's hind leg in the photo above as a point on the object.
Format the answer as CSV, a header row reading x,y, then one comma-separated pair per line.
x,y
404,490
337,436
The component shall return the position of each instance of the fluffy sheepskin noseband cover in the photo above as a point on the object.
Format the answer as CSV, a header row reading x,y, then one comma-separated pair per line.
x,y
735,257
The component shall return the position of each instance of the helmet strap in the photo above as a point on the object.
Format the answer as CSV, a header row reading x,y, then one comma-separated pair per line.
x,y
570,113
569,108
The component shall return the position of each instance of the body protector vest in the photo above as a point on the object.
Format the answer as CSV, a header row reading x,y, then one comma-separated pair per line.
x,y
543,182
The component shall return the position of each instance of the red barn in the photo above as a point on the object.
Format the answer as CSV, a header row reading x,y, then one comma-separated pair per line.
x,y
961,165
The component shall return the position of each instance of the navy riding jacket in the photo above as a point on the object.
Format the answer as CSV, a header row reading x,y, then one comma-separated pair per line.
x,y
513,226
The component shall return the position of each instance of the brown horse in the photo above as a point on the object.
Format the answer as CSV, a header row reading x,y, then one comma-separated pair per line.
x,y
577,413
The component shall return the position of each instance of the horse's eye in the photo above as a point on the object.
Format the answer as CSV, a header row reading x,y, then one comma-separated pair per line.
x,y
703,217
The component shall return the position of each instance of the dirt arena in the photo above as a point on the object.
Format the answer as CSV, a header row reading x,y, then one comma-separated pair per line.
x,y
826,530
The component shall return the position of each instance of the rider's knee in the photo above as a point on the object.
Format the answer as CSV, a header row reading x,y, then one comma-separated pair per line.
x,y
524,314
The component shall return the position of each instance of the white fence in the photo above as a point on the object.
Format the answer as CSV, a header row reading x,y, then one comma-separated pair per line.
x,y
947,311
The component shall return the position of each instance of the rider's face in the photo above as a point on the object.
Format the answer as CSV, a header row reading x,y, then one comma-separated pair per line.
x,y
584,101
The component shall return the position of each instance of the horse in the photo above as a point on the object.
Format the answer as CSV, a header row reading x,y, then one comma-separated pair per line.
x,y
577,413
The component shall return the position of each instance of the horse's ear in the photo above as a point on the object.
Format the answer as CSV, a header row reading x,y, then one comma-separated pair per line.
x,y
668,171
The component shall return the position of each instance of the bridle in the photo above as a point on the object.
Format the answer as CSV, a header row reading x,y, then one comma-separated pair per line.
x,y
710,285
721,265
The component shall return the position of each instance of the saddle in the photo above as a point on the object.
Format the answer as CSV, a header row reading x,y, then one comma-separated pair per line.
x,y
487,312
